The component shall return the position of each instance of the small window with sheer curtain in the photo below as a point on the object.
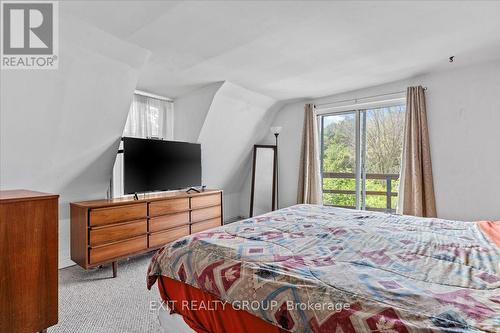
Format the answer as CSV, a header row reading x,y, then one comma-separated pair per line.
x,y
148,117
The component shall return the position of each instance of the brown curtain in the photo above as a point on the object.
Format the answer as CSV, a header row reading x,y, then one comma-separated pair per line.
x,y
416,191
309,190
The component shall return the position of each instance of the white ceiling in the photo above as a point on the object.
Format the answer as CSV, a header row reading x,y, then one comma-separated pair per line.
x,y
294,49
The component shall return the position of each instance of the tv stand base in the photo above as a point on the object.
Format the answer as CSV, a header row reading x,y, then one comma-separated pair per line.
x,y
192,189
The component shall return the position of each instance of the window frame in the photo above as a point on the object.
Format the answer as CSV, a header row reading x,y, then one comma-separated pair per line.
x,y
359,110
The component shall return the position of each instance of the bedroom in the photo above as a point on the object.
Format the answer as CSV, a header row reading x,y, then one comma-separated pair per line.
x,y
363,96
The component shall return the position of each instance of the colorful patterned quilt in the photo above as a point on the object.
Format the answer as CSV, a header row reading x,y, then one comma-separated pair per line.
x,y
311,268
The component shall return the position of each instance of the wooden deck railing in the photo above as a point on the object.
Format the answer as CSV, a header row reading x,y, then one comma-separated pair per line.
x,y
388,193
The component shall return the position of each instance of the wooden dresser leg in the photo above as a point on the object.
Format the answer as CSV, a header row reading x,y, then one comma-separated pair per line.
x,y
43,331
115,268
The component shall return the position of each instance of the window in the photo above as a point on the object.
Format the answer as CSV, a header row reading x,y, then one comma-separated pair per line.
x,y
148,117
361,157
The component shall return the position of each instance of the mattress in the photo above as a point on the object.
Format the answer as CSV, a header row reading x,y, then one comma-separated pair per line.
x,y
206,313
310,268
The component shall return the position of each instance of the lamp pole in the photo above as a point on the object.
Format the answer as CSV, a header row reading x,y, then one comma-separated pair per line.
x,y
277,173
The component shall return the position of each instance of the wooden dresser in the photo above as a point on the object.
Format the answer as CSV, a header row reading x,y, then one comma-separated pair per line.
x,y
28,261
103,231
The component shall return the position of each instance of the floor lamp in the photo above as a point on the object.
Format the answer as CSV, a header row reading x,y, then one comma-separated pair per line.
x,y
276,131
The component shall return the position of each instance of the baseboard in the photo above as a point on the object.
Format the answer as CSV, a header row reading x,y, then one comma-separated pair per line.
x,y
65,262
233,219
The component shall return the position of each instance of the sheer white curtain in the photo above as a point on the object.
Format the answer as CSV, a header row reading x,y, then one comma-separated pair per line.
x,y
150,117
147,118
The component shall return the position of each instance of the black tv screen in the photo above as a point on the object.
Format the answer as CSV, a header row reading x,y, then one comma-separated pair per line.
x,y
157,165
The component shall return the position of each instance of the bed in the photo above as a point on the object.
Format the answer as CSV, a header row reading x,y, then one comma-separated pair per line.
x,y
310,268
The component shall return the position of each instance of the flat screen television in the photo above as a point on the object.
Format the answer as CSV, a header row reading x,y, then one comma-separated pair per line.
x,y
157,165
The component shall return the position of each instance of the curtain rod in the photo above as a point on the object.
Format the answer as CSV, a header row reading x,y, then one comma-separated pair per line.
x,y
150,95
361,98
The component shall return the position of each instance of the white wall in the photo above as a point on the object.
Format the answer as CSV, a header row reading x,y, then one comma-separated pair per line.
x,y
464,120
245,174
463,111
190,112
60,128
228,134
290,118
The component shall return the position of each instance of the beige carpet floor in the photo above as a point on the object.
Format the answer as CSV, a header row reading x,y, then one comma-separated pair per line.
x,y
93,302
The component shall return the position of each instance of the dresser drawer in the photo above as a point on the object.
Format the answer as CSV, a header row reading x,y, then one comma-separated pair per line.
x,y
205,213
204,225
115,232
161,238
168,206
101,216
168,221
118,249
205,201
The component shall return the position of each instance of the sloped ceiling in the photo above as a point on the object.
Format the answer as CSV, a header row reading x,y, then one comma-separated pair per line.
x,y
296,49
191,110
230,129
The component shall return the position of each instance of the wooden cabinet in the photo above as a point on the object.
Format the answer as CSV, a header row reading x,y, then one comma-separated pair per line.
x,y
109,215
205,201
161,238
169,206
102,253
117,232
103,231
204,225
164,222
28,261
204,214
